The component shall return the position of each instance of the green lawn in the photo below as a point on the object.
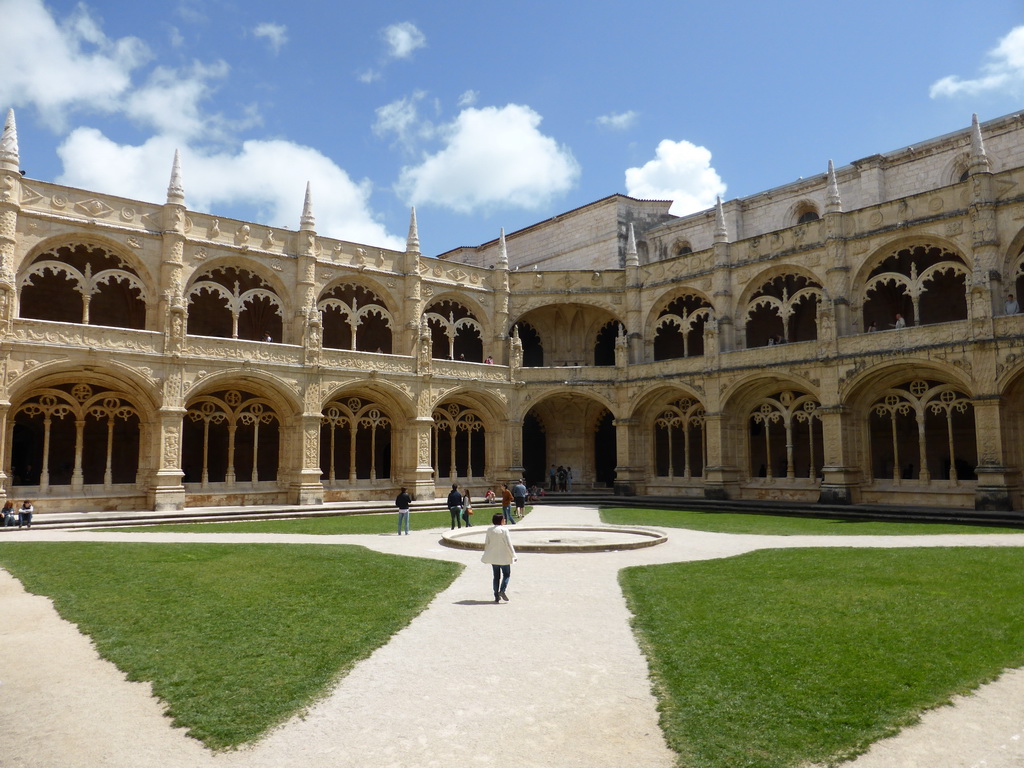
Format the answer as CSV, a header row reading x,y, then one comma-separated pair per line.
x,y
779,525
338,524
784,657
235,638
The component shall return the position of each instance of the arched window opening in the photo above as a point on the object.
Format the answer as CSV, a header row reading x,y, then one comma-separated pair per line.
x,y
83,284
604,348
683,247
234,303
923,430
355,442
235,435
65,435
459,443
783,310
807,215
455,333
923,284
533,348
356,318
786,437
679,331
680,440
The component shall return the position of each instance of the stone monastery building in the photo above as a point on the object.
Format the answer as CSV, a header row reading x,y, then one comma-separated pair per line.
x,y
848,338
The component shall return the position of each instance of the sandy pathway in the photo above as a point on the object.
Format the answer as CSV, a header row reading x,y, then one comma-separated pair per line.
x,y
566,684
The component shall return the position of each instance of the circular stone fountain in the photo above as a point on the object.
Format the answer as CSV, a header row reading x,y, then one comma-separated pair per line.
x,y
561,538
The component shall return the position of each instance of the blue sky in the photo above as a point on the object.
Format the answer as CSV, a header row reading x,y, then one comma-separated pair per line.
x,y
485,115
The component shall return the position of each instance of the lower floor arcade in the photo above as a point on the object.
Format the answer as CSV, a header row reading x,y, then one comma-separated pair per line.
x,y
901,434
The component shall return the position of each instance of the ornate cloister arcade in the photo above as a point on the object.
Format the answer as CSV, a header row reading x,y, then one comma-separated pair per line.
x,y
752,351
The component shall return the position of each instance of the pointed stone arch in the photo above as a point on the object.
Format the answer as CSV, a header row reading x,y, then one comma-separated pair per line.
x,y
357,317
234,301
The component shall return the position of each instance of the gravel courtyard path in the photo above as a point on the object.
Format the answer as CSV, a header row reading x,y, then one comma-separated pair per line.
x,y
566,684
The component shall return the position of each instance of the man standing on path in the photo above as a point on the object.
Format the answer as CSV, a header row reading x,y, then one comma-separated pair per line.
x,y
519,494
402,501
455,506
499,554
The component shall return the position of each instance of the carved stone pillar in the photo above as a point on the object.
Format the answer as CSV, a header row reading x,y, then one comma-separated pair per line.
x,y
419,474
841,476
166,491
305,486
997,487
627,476
721,475
7,432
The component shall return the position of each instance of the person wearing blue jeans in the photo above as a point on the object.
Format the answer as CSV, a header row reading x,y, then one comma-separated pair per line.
x,y
500,554
455,506
402,501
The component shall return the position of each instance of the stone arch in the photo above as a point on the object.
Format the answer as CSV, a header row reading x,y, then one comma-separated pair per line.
x,y
569,331
915,423
924,282
956,170
236,299
356,316
88,281
64,425
461,451
456,329
672,424
675,325
775,436
804,212
780,306
1013,267
580,435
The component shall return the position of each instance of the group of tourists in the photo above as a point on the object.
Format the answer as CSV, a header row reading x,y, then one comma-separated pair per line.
x,y
23,516
560,479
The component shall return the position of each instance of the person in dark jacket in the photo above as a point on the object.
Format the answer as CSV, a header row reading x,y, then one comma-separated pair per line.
x,y
402,501
455,506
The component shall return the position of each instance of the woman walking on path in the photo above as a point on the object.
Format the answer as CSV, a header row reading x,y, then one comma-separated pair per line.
x,y
467,507
402,501
500,554
455,506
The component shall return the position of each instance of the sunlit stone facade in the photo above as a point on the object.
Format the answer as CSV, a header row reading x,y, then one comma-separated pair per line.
x,y
158,357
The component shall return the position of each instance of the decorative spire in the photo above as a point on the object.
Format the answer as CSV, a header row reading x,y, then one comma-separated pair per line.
x,y
9,160
979,160
307,222
721,233
412,243
632,259
175,190
833,204
502,251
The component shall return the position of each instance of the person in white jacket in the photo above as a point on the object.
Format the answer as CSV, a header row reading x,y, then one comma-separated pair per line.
x,y
500,554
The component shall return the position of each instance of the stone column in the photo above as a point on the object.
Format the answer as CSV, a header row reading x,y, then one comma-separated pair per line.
x,y
841,476
305,486
418,473
627,477
721,474
997,488
166,491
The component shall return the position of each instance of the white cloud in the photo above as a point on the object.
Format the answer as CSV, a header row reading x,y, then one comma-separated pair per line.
x,y
72,67
276,35
60,68
618,121
468,98
368,76
402,118
1003,72
402,39
680,172
268,175
493,156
